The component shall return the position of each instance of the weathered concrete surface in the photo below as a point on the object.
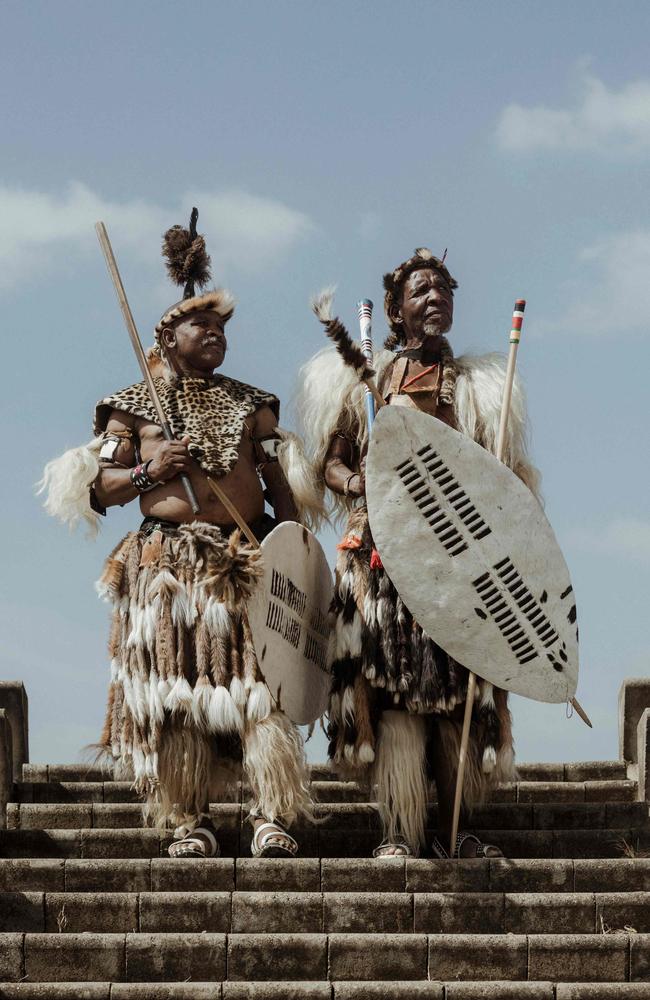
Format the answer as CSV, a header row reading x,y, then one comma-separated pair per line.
x,y
13,699
633,699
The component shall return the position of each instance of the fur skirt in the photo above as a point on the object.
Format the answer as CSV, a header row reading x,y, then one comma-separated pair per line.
x,y
382,660
185,683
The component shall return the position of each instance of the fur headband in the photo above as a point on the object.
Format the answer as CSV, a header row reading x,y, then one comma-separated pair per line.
x,y
422,258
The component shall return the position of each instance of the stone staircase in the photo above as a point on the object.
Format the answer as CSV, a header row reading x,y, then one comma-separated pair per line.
x,y
91,906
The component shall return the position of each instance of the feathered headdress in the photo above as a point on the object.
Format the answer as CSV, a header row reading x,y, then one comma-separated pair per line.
x,y
188,264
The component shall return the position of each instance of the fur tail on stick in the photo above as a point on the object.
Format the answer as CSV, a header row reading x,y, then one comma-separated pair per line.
x,y
350,352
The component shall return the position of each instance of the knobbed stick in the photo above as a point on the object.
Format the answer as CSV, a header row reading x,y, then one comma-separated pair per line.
x,y
515,335
111,263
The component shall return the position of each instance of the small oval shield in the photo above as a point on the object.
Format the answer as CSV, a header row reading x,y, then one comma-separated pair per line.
x,y
472,555
289,619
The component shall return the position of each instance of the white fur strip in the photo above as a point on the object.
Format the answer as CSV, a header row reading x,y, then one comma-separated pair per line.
x,y
259,704
238,692
180,698
66,482
322,303
217,617
223,715
400,775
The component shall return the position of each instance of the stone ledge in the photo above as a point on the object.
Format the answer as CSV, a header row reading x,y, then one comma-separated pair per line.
x,y
633,699
13,699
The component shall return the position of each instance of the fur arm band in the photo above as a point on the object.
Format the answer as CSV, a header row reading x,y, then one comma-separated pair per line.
x,y
66,484
299,474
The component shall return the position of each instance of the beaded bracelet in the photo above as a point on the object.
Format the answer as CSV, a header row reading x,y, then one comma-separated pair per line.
x,y
141,479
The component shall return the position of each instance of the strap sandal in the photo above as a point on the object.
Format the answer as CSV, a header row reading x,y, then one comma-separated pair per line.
x,y
262,845
192,846
393,849
441,852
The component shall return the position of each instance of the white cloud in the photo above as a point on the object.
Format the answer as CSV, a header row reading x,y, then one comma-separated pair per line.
x,y
242,230
625,537
603,119
610,293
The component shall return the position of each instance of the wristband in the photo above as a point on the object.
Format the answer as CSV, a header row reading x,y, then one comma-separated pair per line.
x,y
346,488
140,478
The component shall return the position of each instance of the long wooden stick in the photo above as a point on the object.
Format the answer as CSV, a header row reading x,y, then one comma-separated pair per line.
x,y
515,334
111,263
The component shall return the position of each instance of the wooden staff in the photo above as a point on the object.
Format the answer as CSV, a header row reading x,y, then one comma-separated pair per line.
x,y
515,336
111,263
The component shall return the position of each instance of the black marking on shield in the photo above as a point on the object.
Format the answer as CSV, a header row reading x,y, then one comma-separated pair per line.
x,y
315,651
427,503
283,588
454,493
566,592
572,615
284,624
525,600
504,618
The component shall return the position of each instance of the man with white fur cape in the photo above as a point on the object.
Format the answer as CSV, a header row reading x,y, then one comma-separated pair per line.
x,y
397,699
187,702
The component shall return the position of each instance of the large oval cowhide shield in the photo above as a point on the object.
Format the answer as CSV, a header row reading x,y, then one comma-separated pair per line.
x,y
289,619
472,555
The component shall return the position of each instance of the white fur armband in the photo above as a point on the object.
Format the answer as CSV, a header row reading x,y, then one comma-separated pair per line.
x,y
66,484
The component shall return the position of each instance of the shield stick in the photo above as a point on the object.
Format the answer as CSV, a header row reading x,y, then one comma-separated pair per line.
x,y
111,263
364,309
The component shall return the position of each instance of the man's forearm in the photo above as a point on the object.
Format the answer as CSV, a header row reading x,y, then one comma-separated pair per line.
x,y
113,487
282,501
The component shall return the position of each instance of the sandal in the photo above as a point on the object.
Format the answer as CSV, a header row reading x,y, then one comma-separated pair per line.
x,y
393,849
192,846
441,852
262,845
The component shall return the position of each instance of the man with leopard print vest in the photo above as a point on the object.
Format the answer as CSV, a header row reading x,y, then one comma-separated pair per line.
x,y
187,703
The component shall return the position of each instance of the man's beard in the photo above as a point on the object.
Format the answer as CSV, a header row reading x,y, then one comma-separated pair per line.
x,y
433,327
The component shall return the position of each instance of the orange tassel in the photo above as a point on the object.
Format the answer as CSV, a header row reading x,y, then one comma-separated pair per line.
x,y
375,560
349,542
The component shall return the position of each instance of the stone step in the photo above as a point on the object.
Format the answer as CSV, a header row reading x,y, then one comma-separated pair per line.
x,y
423,990
590,770
556,792
317,842
326,912
337,816
397,875
210,957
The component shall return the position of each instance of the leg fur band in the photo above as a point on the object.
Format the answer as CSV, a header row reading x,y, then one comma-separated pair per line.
x,y
400,775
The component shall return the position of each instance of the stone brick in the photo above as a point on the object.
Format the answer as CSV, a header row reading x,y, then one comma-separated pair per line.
x,y
153,958
609,875
610,791
11,957
590,816
541,772
268,957
394,991
602,991
103,913
52,816
503,817
343,843
79,772
499,991
623,911
40,843
378,956
120,843
53,958
277,912
462,912
640,958
595,770
466,875
34,772
118,791
633,699
550,913
124,875
13,700
79,792
282,874
579,957
200,875
116,815
6,766
551,791
643,755
363,874
31,874
368,912
55,991
277,991
185,912
587,843
22,911
166,991
530,875
505,792
474,956
520,843
620,815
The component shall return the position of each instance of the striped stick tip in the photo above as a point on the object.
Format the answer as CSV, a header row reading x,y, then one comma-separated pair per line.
x,y
520,305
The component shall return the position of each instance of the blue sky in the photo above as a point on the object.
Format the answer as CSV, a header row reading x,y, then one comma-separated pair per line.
x,y
322,143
